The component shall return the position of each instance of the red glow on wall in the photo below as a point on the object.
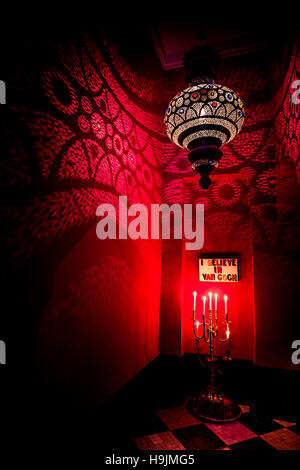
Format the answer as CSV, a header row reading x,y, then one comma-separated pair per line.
x,y
89,143
84,136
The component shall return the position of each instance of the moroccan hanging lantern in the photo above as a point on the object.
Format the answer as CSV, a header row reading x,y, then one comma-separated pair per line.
x,y
205,115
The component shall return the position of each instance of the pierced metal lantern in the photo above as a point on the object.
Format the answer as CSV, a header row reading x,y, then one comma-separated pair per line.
x,y
205,116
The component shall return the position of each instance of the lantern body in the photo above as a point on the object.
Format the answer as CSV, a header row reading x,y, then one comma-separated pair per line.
x,y
201,119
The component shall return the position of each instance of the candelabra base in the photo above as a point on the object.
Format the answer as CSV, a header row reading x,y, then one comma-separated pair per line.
x,y
213,406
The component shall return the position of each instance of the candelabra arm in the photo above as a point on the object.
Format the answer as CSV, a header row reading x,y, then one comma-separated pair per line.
x,y
207,337
194,329
222,340
225,339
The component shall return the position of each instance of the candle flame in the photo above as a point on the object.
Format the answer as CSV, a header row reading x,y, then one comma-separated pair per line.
x,y
204,298
195,293
227,332
197,324
225,297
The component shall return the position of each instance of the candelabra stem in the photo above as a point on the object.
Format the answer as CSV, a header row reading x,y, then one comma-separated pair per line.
x,y
212,377
211,345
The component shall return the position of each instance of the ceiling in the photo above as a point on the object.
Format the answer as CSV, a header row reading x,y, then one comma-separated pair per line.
x,y
173,39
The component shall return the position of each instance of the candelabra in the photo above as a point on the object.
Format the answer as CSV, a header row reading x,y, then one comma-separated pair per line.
x,y
211,404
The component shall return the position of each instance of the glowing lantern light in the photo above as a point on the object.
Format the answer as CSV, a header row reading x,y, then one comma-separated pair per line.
x,y
205,115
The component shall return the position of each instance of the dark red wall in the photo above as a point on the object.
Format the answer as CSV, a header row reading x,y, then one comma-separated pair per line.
x,y
79,130
100,326
277,234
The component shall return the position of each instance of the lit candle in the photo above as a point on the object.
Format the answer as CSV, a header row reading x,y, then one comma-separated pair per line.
x,y
203,313
195,295
210,309
197,326
228,341
216,307
225,303
210,300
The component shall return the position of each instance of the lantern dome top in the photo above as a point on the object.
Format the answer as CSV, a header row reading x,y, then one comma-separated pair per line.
x,y
205,110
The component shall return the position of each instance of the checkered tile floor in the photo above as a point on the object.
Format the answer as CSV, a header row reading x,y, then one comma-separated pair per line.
x,y
176,429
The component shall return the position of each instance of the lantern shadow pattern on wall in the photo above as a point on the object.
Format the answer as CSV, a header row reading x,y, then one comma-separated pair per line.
x,y
91,143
